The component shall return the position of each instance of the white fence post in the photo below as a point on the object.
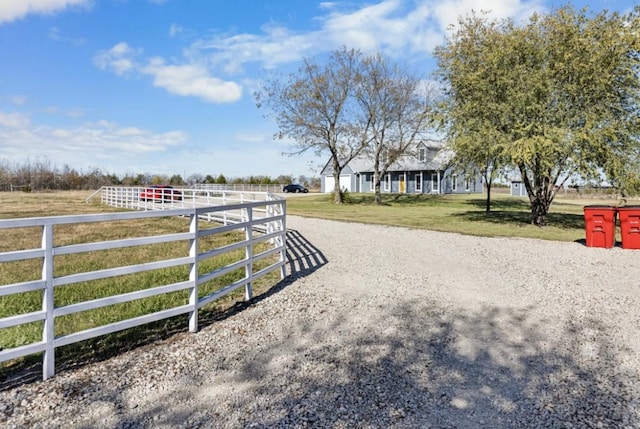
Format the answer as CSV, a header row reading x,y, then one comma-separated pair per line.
x,y
283,240
193,272
48,332
248,269
224,202
262,220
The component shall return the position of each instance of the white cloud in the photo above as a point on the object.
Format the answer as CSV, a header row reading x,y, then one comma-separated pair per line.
x,y
61,133
366,28
447,13
18,100
398,28
277,45
327,5
75,113
240,161
11,10
175,29
369,28
251,138
395,27
13,120
54,34
102,143
192,80
119,59
119,149
57,35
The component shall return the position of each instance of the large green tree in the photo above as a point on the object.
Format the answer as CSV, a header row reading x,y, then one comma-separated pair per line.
x,y
475,102
554,98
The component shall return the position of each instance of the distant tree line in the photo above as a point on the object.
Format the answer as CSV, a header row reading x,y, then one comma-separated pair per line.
x,y
43,175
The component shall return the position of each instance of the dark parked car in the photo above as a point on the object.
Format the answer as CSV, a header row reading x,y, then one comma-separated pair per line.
x,y
160,193
294,188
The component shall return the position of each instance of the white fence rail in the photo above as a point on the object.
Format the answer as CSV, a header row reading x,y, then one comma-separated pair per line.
x,y
146,198
265,216
240,187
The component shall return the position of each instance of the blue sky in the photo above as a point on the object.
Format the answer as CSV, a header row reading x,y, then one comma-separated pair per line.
x,y
166,86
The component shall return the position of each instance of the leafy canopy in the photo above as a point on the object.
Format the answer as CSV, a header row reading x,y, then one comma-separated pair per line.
x,y
554,98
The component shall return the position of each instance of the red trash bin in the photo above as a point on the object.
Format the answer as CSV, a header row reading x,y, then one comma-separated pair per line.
x,y
630,226
600,226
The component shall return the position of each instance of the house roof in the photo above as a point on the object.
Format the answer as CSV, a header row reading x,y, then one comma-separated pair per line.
x,y
437,158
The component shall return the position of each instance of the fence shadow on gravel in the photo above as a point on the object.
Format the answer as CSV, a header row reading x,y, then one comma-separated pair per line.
x,y
303,258
424,365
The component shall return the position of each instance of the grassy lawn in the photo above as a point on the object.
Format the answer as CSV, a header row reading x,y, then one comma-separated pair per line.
x,y
21,205
465,214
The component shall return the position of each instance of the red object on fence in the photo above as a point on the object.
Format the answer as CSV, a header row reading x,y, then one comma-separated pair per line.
x,y
600,226
630,226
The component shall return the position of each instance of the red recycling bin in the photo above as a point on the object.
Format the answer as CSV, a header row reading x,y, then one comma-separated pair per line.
x,y
630,226
600,226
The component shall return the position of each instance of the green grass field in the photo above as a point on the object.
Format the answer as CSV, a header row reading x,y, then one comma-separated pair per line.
x,y
20,205
465,214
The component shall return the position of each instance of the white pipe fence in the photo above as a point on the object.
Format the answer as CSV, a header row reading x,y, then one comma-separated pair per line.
x,y
137,198
265,216
239,187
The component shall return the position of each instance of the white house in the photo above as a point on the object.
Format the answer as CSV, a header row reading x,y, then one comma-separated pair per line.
x,y
427,172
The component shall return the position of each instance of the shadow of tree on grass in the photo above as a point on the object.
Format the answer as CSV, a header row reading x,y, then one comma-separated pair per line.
x,y
400,199
502,204
516,218
518,212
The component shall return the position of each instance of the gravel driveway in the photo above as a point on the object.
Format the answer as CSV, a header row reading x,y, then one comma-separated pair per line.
x,y
384,327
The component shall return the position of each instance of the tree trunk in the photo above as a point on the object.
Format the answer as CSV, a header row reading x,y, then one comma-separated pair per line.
x,y
540,195
338,197
488,205
377,177
539,208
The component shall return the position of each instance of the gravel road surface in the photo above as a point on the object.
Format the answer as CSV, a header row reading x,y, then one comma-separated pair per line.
x,y
383,327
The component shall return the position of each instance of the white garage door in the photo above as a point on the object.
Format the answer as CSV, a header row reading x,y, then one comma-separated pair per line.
x,y
329,182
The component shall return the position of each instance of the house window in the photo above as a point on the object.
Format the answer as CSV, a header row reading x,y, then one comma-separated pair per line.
x,y
454,182
387,182
467,185
435,183
422,154
419,182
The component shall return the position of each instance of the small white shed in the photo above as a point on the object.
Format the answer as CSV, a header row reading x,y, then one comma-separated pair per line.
x,y
518,189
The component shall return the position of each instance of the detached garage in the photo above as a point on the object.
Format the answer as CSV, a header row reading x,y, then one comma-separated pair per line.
x,y
329,182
